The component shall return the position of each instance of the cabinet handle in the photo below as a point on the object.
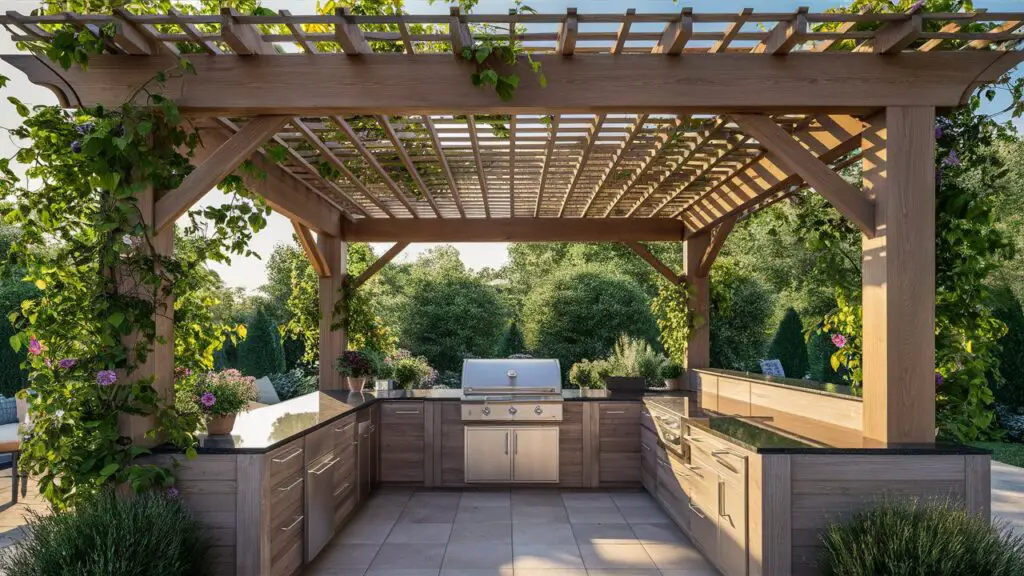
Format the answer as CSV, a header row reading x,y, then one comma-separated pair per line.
x,y
692,468
721,498
692,438
506,443
663,463
373,428
292,485
407,411
695,510
324,468
345,427
343,489
515,443
293,524
615,412
290,456
645,446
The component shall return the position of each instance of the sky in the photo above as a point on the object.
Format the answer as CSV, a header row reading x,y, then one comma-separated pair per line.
x,y
250,273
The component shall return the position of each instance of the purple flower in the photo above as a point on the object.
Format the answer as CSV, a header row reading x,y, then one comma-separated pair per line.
x,y
76,147
208,399
938,131
839,340
938,380
172,493
951,159
67,363
35,347
84,128
916,6
106,377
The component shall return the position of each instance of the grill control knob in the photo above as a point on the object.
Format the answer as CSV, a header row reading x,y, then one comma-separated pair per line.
x,y
538,410
486,411
512,410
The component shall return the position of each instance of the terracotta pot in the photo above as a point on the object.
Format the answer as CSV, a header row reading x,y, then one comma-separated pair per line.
x,y
220,425
356,384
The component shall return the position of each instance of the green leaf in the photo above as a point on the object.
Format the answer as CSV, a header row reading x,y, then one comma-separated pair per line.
x,y
23,110
109,469
41,284
145,128
115,319
482,53
489,77
15,342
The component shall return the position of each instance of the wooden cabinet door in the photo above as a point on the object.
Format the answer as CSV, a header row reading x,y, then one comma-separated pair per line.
x,y
488,454
401,442
732,527
619,443
535,454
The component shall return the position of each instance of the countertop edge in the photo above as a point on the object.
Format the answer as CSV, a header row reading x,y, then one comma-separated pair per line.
x,y
768,381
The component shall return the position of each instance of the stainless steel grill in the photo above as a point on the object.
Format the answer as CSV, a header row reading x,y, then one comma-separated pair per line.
x,y
511,390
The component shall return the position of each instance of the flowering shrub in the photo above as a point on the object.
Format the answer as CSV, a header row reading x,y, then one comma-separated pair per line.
x,y
224,393
353,364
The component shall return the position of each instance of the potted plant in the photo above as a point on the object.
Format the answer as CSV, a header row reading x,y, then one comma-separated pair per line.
x,y
220,396
411,371
356,367
672,374
586,374
633,365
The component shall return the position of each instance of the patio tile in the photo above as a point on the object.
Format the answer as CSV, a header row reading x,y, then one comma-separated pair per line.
x,y
478,556
555,572
537,498
403,572
428,513
494,532
483,514
348,556
533,557
587,499
624,573
677,557
659,534
632,498
392,557
435,499
554,534
644,514
503,571
596,515
365,530
420,533
691,572
616,557
486,498
591,534
539,514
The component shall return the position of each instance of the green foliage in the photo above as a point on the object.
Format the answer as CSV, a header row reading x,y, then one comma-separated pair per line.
x,y
675,319
580,312
672,370
1005,452
13,291
1007,309
496,56
260,354
906,537
819,357
741,311
512,342
788,345
293,383
147,534
586,374
452,316
411,371
222,393
634,358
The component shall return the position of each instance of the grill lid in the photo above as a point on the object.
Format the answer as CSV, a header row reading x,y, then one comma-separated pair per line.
x,y
511,376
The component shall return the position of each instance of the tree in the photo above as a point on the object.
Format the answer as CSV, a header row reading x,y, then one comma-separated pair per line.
x,y
260,354
452,316
580,312
1009,389
513,342
13,290
788,345
741,310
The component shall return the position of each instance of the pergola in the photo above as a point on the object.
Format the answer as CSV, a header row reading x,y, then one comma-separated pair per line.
x,y
653,127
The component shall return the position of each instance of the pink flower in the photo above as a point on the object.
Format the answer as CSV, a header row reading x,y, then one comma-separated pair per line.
x,y
67,363
106,377
208,399
35,347
839,340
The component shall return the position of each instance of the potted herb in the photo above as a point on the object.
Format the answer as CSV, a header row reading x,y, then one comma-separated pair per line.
x,y
672,374
356,367
220,396
412,371
586,374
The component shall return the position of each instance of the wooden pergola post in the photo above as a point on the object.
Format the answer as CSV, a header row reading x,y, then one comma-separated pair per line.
x,y
332,341
899,277
698,349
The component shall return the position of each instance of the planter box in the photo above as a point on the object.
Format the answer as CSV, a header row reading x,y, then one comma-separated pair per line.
x,y
625,383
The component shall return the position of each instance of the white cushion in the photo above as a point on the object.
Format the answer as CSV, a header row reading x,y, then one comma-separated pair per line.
x,y
266,390
10,439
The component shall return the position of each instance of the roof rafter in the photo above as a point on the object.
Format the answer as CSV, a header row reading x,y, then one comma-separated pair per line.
x,y
701,173
410,167
445,167
663,138
550,148
635,131
475,141
370,159
590,140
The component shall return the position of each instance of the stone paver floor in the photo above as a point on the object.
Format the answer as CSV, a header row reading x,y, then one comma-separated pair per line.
x,y
12,518
510,533
1008,495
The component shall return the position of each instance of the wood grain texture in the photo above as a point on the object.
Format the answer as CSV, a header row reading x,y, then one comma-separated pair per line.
x,y
571,445
312,251
618,438
402,446
698,350
513,230
302,84
591,428
899,277
453,443
430,427
332,341
775,509
978,484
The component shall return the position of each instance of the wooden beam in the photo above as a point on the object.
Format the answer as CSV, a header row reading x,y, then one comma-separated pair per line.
x,y
132,37
513,230
309,246
706,169
439,152
512,167
458,32
284,193
190,30
567,33
372,161
898,280
731,31
379,263
311,85
653,260
623,33
549,151
663,138
786,35
894,37
676,34
218,166
849,200
333,338
698,349
715,246
348,34
244,39
588,146
406,160
298,33
620,152
475,143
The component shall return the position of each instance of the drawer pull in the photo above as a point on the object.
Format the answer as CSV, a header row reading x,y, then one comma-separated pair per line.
x,y
289,457
324,467
664,462
298,519
692,438
645,446
373,427
407,411
695,510
343,489
345,427
720,453
292,485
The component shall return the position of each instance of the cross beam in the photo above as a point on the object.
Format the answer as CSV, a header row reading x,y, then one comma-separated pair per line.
x,y
303,84
514,230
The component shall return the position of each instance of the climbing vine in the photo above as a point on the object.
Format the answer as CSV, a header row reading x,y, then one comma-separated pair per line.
x,y
675,319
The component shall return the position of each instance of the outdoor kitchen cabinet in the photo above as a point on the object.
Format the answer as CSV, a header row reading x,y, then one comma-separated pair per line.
x,y
619,457
511,454
401,442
